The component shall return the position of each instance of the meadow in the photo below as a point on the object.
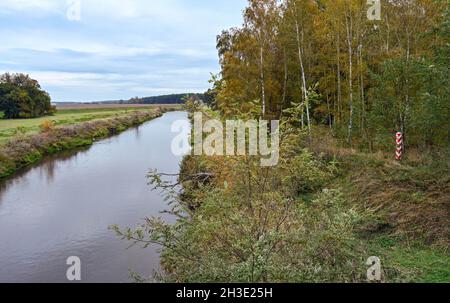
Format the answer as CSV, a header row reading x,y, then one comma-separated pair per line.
x,y
69,114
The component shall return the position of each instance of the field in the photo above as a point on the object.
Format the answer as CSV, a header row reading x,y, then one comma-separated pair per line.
x,y
69,114
86,106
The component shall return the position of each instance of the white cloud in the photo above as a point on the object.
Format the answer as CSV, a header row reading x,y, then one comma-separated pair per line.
x,y
168,9
31,5
119,49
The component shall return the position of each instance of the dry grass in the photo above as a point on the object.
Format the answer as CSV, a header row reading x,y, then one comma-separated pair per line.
x,y
410,199
408,203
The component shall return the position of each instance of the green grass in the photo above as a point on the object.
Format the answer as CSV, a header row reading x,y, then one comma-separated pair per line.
x,y
8,128
415,262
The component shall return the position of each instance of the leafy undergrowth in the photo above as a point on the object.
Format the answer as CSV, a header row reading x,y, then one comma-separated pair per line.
x,y
403,213
315,217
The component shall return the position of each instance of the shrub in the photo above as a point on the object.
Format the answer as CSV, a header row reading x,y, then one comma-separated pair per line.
x,y
254,224
47,126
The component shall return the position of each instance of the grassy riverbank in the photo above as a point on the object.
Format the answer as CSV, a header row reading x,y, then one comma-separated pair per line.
x,y
79,128
315,217
68,115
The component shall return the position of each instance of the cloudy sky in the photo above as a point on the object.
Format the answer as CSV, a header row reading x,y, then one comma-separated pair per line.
x,y
118,49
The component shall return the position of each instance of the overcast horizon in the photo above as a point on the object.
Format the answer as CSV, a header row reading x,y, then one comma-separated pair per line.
x,y
116,50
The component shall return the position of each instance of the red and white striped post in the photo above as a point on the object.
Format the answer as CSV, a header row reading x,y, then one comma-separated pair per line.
x,y
400,149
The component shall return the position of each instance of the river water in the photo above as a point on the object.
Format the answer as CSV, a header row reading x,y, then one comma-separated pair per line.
x,y
63,207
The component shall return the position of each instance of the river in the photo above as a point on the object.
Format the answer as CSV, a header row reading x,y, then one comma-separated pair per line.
x,y
63,206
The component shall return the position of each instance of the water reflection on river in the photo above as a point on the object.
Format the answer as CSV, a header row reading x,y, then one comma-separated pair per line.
x,y
63,207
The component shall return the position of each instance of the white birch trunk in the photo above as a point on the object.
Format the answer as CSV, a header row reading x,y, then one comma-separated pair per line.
x,y
349,27
305,91
263,89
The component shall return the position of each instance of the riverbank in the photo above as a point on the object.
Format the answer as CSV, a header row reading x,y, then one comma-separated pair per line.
x,y
63,205
315,217
69,115
24,150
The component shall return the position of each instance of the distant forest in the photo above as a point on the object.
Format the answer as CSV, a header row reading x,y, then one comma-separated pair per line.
x,y
164,99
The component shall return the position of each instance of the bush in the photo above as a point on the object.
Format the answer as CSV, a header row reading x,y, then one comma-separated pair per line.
x,y
254,224
47,126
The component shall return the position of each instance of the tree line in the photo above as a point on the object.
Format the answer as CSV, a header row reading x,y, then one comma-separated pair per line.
x,y
165,99
23,97
327,61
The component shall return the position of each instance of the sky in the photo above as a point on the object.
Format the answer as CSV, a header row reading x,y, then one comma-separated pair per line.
x,y
114,49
